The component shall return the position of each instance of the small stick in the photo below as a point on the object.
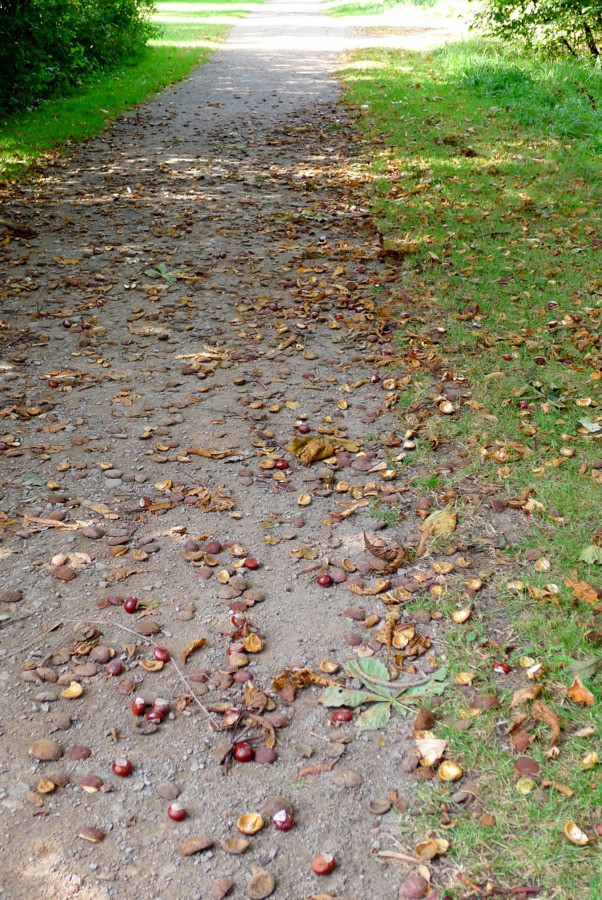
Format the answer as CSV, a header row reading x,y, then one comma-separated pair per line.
x,y
180,674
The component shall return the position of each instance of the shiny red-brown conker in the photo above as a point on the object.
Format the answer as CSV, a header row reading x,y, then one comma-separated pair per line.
x,y
251,563
114,667
130,604
176,812
501,668
341,715
154,715
161,705
161,654
324,579
283,820
138,705
122,767
281,464
243,751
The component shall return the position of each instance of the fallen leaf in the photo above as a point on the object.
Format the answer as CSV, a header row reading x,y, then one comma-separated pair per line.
x,y
543,713
578,693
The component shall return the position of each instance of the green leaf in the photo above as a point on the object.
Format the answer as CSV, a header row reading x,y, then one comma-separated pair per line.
x,y
370,666
591,555
436,685
376,716
338,696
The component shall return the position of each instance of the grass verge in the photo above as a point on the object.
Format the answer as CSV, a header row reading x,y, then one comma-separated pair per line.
x,y
189,30
484,184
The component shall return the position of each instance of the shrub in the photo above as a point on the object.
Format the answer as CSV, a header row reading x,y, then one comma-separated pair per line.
x,y
51,46
574,26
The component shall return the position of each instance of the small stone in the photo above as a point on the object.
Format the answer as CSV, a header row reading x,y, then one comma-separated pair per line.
x,y
167,791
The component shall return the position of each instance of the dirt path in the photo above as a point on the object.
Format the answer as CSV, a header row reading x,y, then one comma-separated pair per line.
x,y
197,287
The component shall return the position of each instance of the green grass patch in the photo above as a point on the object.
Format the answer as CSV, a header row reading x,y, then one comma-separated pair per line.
x,y
487,167
189,31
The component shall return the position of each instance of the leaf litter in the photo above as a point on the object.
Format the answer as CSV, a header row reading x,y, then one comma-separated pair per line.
x,y
322,360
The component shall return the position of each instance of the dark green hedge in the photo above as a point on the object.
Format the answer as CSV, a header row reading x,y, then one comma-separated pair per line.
x,y
51,46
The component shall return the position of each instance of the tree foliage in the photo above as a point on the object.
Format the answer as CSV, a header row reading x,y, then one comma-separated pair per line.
x,y
574,26
50,46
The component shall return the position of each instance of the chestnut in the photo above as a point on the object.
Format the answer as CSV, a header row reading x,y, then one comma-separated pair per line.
x,y
114,667
324,579
341,715
122,767
251,563
281,464
130,604
243,751
153,715
161,705
283,820
161,654
323,863
138,705
176,812
501,668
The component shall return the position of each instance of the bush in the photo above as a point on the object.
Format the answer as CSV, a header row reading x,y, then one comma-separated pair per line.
x,y
574,26
51,46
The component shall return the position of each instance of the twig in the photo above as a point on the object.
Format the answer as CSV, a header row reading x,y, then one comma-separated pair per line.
x,y
472,886
403,857
180,674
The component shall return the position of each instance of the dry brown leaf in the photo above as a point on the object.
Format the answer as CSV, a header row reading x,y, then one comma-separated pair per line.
x,y
436,525
561,788
583,591
578,693
255,699
543,713
317,768
190,648
393,556
300,678
385,635
527,693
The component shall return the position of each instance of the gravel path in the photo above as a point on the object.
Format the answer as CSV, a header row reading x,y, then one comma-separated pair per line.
x,y
188,294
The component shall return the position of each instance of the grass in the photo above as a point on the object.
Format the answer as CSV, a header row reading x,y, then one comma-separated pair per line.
x,y
189,32
488,162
